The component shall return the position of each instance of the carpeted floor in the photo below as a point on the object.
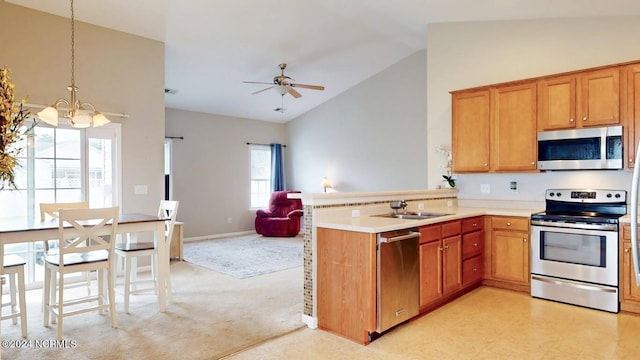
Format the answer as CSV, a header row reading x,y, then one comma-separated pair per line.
x,y
212,315
246,256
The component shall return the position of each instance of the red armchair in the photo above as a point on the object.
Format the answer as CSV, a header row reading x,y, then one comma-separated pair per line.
x,y
282,219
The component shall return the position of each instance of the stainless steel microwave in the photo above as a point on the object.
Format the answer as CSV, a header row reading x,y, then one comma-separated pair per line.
x,y
580,149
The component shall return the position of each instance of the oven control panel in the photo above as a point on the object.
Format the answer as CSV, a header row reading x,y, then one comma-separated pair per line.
x,y
586,195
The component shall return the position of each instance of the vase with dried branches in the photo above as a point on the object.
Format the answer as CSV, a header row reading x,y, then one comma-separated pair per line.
x,y
12,119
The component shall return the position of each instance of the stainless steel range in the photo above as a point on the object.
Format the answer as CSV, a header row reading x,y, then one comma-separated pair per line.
x,y
574,247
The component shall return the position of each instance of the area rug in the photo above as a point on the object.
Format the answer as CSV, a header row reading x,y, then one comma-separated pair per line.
x,y
245,256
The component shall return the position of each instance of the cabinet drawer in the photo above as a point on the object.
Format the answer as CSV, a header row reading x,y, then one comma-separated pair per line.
x,y
451,228
429,233
472,244
472,270
510,223
472,224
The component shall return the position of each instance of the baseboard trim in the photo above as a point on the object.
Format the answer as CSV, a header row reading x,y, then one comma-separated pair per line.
x,y
218,236
311,322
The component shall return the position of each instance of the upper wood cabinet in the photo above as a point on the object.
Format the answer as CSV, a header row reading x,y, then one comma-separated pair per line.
x,y
495,129
598,100
557,103
470,131
631,105
514,145
585,99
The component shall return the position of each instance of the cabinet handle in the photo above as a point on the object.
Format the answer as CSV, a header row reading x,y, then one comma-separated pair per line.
x,y
474,224
525,240
508,224
533,163
475,244
571,120
475,269
626,250
584,118
486,164
441,249
446,247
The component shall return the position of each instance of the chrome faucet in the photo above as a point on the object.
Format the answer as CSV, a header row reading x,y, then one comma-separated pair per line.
x,y
398,204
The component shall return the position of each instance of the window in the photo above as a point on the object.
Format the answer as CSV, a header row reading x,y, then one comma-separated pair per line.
x,y
61,165
260,160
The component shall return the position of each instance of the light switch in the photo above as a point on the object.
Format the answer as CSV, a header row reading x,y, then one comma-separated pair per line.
x,y
140,190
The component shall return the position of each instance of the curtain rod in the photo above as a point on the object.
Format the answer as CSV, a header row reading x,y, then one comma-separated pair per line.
x,y
174,137
249,143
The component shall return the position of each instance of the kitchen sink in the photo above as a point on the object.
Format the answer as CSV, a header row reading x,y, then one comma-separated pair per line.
x,y
413,215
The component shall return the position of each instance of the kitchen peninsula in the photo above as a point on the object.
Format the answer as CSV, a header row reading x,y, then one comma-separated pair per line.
x,y
340,232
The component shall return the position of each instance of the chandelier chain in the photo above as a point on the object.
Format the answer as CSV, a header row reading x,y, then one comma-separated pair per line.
x,y
73,57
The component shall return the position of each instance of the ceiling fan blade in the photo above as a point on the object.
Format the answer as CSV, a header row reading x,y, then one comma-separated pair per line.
x,y
305,86
294,93
258,82
265,89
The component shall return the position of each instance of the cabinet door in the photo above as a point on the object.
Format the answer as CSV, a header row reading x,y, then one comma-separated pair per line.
x,y
510,256
451,264
633,112
630,291
470,131
599,97
430,272
557,103
514,145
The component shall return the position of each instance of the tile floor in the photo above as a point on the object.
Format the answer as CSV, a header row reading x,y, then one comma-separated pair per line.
x,y
487,323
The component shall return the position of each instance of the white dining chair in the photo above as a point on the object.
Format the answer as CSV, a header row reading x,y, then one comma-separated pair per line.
x,y
13,266
86,243
49,211
129,251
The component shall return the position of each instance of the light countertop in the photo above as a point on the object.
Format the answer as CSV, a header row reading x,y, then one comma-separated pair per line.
x,y
374,224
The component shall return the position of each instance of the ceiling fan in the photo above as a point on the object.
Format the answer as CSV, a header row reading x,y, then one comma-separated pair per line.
x,y
284,84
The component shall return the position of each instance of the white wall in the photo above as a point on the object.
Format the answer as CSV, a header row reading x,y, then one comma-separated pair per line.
x,y
464,55
116,72
211,169
372,137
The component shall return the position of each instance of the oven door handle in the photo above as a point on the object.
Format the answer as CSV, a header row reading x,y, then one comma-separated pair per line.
x,y
564,225
573,284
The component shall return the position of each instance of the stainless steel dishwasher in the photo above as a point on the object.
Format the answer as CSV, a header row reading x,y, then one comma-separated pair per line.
x,y
398,277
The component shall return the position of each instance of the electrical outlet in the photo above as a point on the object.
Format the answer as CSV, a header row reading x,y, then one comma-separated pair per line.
x,y
420,207
355,213
140,190
229,220
485,188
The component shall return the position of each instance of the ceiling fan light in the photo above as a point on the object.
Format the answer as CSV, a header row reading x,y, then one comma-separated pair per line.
x,y
49,115
283,89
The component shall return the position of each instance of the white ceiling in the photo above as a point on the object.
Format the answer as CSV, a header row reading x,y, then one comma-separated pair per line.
x,y
213,45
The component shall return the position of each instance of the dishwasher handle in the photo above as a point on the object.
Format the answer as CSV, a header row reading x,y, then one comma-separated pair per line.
x,y
409,235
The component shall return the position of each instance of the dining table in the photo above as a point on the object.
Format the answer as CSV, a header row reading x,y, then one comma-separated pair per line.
x,y
23,230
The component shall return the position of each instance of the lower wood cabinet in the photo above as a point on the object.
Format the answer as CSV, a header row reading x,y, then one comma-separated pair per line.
x,y
472,249
507,255
450,259
346,281
440,261
629,290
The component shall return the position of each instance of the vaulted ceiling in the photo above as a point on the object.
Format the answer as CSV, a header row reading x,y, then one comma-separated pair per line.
x,y
212,46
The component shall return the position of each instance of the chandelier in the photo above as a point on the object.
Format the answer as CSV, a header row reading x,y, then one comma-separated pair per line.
x,y
78,114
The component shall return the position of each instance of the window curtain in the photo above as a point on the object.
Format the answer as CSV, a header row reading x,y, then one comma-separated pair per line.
x,y
277,168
